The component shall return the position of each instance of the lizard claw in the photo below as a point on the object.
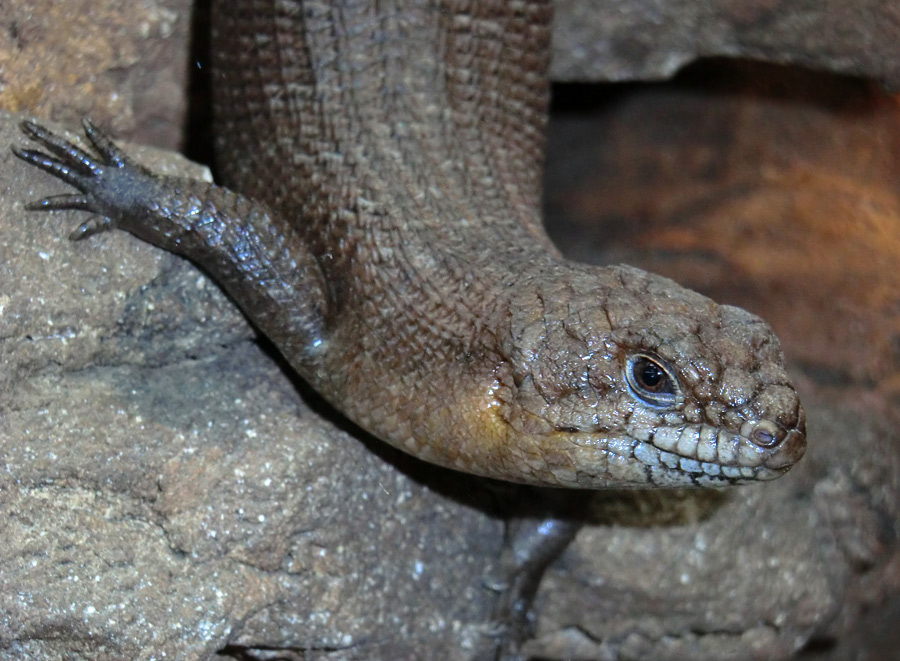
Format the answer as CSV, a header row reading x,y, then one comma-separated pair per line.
x,y
91,227
108,183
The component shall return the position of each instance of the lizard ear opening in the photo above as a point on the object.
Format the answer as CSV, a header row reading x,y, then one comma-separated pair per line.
x,y
651,380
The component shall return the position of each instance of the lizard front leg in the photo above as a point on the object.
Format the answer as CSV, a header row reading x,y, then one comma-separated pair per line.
x,y
266,268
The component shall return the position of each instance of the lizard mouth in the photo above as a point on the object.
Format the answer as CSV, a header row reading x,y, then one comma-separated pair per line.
x,y
760,450
688,455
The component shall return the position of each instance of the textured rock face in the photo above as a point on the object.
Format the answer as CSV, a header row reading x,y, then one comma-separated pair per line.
x,y
652,39
123,63
167,488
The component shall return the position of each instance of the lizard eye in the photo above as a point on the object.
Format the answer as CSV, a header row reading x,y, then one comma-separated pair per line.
x,y
651,380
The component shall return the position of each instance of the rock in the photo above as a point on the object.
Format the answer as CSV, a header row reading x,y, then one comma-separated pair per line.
x,y
652,39
127,66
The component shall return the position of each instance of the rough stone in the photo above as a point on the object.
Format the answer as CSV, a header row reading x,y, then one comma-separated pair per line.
x,y
124,63
652,39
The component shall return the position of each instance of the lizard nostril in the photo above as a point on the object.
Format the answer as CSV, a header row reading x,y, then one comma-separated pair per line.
x,y
763,433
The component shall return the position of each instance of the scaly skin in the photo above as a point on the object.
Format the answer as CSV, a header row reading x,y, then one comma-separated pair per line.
x,y
402,145
387,237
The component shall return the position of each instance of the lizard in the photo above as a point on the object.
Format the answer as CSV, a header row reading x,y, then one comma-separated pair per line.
x,y
379,221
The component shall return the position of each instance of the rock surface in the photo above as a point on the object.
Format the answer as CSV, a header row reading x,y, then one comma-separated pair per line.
x,y
169,489
652,39
126,64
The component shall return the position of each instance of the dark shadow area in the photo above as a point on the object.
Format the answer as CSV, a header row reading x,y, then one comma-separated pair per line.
x,y
198,129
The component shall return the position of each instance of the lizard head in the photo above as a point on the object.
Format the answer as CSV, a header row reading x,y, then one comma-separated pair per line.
x,y
619,378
